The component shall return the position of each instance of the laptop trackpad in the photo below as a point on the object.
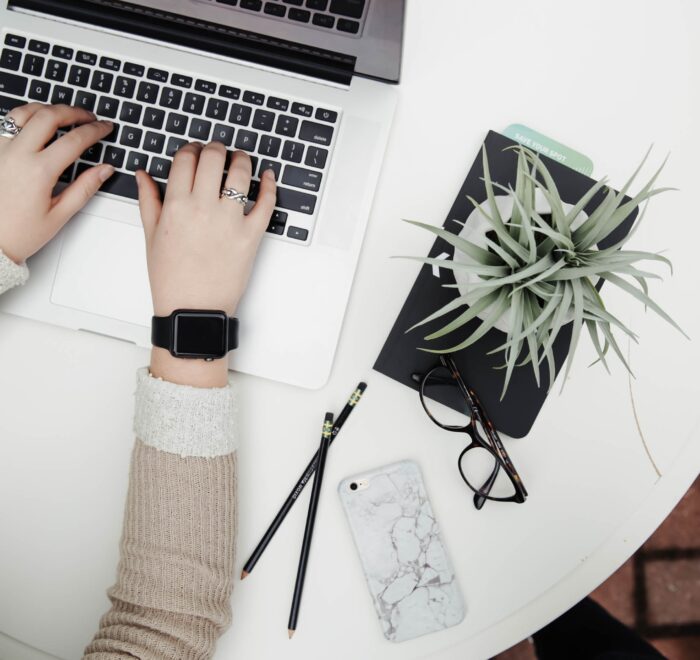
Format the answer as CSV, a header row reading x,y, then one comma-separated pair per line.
x,y
102,270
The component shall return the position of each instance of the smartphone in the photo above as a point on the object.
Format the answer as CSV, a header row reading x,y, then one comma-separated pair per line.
x,y
409,574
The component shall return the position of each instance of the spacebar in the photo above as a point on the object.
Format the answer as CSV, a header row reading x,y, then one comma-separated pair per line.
x,y
121,184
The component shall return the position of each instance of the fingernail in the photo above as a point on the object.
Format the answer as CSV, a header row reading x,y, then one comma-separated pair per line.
x,y
106,172
106,122
270,174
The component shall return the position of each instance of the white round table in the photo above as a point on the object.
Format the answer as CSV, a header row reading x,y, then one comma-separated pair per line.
x,y
605,78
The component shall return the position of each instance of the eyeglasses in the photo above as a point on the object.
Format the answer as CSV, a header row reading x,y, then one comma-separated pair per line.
x,y
484,464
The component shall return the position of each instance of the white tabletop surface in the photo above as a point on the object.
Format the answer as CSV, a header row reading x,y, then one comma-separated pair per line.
x,y
608,78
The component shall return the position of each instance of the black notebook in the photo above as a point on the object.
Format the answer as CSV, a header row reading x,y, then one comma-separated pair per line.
x,y
400,357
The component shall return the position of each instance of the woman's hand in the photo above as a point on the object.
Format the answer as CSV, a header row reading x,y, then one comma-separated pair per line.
x,y
31,215
200,248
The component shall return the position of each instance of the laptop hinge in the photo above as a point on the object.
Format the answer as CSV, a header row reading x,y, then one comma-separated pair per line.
x,y
200,35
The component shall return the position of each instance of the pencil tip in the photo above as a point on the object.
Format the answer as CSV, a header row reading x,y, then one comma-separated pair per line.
x,y
290,632
244,575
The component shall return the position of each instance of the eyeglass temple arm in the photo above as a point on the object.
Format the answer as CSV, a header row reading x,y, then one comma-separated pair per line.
x,y
479,499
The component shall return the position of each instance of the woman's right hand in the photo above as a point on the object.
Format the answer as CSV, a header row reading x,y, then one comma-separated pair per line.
x,y
200,248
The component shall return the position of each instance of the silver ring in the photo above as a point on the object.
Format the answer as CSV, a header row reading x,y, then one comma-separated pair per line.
x,y
9,128
232,193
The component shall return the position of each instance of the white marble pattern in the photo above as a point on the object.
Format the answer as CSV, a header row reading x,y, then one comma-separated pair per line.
x,y
408,572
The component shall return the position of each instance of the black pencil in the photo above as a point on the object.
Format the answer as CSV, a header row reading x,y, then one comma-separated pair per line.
x,y
326,437
299,486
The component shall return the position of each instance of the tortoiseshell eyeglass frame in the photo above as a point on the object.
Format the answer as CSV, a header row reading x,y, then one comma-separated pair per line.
x,y
492,443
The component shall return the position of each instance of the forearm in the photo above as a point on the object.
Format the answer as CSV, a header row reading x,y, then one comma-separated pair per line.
x,y
175,575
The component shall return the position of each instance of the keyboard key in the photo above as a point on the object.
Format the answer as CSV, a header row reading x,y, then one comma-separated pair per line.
x,y
107,107
86,58
33,65
323,20
275,228
12,84
326,115
92,153
62,52
7,104
205,86
273,165
15,40
101,81
297,3
230,3
67,174
39,46
344,25
273,9
121,184
38,90
173,145
349,8
280,217
286,125
229,92
136,161
316,157
131,112
131,137
253,5
264,120
170,98
176,123
294,200
269,146
79,76
110,63
240,114
217,109
298,233
277,103
246,140
131,69
292,151
56,70
200,129
115,156
317,5
302,109
113,135
254,97
158,74
300,15
62,95
302,178
153,118
318,133
181,81
194,103
10,59
154,142
159,168
148,92
125,87
224,134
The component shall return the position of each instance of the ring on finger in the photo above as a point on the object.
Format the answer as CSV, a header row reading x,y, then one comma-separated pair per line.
x,y
9,128
233,194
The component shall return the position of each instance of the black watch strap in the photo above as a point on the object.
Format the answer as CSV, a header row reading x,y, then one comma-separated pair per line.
x,y
162,331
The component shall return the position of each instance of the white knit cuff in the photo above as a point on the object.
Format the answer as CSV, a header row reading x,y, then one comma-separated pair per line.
x,y
184,420
11,274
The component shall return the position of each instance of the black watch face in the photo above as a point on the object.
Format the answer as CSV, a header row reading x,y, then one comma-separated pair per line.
x,y
200,335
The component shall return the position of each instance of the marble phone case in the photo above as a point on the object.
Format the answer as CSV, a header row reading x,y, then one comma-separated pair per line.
x,y
408,572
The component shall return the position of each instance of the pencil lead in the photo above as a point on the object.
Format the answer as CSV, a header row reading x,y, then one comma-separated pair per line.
x,y
244,574
290,632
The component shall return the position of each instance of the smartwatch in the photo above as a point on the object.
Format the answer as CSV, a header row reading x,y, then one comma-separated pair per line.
x,y
205,334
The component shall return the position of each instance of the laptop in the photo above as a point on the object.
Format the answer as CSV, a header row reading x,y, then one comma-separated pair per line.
x,y
307,87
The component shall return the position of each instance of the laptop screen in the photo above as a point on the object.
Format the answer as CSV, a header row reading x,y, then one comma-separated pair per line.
x,y
326,39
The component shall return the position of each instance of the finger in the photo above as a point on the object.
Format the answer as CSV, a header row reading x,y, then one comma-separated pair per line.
x,y
68,147
259,216
239,173
149,202
79,193
184,167
210,171
44,123
23,113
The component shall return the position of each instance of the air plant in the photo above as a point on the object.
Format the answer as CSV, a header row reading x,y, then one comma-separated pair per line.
x,y
542,269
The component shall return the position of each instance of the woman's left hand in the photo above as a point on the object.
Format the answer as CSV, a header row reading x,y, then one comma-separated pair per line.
x,y
31,215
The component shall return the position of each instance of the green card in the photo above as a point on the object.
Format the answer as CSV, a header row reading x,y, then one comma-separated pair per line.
x,y
550,148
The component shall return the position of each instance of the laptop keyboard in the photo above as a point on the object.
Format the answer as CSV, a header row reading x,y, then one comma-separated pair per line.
x,y
341,16
156,111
